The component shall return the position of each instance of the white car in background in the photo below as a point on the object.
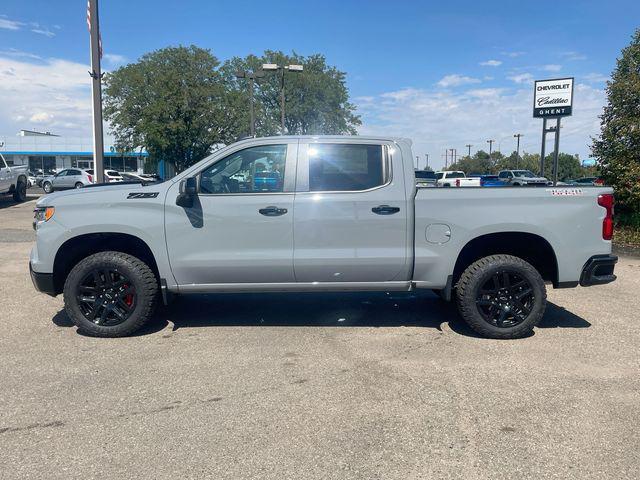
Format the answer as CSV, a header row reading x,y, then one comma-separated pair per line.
x,y
110,176
455,178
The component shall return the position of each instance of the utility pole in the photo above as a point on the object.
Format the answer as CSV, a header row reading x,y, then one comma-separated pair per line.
x,y
490,142
454,155
446,157
426,155
518,135
96,89
469,147
251,77
282,69
418,162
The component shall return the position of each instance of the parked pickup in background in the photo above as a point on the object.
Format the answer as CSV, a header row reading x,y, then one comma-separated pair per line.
x,y
14,180
359,221
455,179
522,178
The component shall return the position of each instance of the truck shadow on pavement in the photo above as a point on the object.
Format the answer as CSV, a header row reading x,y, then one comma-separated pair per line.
x,y
7,201
322,310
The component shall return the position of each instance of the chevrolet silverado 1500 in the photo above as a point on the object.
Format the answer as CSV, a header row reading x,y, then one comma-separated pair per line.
x,y
317,214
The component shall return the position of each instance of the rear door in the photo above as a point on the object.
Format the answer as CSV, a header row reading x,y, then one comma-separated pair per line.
x,y
351,216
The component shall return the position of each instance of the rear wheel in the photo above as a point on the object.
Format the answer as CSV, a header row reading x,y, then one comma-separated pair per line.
x,y
501,296
47,187
79,185
20,193
110,294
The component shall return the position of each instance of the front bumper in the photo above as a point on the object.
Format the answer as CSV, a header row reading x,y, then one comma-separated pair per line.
x,y
598,270
43,282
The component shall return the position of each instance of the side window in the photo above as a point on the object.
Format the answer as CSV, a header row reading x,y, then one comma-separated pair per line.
x,y
345,168
63,173
252,170
73,172
503,175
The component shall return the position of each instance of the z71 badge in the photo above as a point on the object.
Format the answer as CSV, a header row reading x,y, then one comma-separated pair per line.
x,y
142,195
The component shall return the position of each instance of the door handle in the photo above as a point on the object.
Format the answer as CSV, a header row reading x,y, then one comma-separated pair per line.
x,y
385,210
272,211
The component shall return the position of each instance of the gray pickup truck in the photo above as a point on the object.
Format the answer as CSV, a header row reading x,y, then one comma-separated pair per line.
x,y
317,214
13,180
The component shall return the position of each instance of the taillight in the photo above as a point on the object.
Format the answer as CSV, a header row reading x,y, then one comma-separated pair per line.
x,y
457,182
598,181
90,178
606,201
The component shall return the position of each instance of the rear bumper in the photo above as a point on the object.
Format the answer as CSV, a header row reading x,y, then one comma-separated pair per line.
x,y
43,282
598,270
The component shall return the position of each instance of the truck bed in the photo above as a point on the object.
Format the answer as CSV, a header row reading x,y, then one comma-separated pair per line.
x,y
446,219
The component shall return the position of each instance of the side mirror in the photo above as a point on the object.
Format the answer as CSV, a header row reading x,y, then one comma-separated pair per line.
x,y
188,192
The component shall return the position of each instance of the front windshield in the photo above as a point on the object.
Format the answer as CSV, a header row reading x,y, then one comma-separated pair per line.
x,y
523,173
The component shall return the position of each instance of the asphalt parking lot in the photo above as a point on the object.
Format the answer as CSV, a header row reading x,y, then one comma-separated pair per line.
x,y
326,386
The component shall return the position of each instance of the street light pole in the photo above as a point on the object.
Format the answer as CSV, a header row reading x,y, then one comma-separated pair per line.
x,y
469,147
251,77
426,155
281,69
518,135
490,142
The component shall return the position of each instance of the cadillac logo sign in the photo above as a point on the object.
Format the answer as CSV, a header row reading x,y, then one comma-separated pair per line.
x,y
553,98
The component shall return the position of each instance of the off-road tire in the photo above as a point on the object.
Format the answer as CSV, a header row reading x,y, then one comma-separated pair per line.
x,y
472,279
20,193
141,277
44,187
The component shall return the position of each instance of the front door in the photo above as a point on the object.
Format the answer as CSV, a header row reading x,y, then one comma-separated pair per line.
x,y
240,229
351,213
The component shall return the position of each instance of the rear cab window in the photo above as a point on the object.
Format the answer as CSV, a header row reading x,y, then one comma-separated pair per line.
x,y
337,167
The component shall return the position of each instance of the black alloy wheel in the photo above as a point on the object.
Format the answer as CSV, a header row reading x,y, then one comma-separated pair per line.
x,y
505,299
106,297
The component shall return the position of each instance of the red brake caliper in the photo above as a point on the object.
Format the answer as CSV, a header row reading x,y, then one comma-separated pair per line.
x,y
128,298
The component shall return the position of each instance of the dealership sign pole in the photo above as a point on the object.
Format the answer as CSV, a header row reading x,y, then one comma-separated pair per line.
x,y
552,99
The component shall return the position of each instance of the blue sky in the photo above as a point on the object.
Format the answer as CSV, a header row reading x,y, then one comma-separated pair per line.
x,y
443,73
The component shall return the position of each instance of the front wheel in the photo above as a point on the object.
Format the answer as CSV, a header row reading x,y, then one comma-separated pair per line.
x,y
110,294
501,296
20,193
47,187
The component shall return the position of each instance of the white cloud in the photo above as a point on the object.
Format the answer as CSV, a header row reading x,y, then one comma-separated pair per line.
x,y
7,24
573,56
41,117
438,119
113,59
43,31
455,80
54,93
521,78
552,68
14,52
35,27
596,78
491,63
513,54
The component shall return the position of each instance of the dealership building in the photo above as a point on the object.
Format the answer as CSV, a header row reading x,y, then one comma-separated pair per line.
x,y
48,152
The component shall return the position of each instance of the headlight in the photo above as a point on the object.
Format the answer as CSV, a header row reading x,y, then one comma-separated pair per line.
x,y
41,215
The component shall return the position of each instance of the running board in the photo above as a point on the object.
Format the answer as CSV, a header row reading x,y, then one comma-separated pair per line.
x,y
297,287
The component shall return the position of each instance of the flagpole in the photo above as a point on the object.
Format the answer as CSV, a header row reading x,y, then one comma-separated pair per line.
x,y
96,90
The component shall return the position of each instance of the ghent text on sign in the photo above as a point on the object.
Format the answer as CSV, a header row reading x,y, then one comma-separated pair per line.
x,y
553,98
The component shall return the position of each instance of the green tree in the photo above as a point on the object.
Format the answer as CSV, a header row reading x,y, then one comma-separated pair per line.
x,y
174,103
618,147
316,99
569,167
